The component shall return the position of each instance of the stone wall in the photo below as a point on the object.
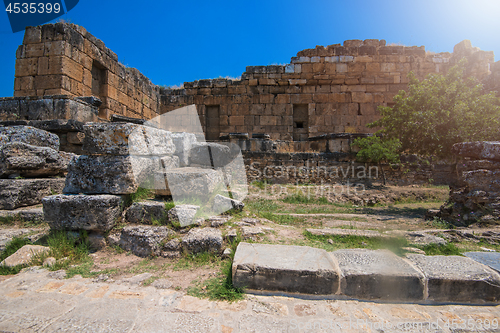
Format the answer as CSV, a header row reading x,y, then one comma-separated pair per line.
x,y
64,59
333,89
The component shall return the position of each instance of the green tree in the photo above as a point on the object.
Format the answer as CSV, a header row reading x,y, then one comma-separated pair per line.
x,y
374,149
440,111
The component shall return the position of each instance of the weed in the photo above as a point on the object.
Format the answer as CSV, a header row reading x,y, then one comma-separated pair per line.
x,y
150,280
169,205
303,199
218,288
440,223
7,220
282,219
190,261
448,249
140,194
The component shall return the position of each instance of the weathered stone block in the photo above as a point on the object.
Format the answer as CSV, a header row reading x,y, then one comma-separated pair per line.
x,y
143,241
20,159
378,274
482,180
481,150
210,154
203,240
29,135
457,279
126,138
183,214
88,212
188,182
183,143
16,193
145,212
24,255
110,174
222,204
285,268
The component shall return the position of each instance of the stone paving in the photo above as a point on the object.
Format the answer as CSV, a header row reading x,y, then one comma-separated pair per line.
x,y
34,302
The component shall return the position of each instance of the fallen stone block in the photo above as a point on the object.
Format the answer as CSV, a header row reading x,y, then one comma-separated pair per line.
x,y
183,142
7,234
203,240
250,232
110,174
217,221
287,268
183,214
25,214
423,238
480,150
126,138
16,193
89,212
24,255
188,182
346,232
223,204
209,154
145,212
457,279
29,135
144,241
482,180
491,259
378,274
21,159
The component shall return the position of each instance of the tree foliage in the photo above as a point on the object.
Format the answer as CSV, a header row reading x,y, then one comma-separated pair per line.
x,y
440,111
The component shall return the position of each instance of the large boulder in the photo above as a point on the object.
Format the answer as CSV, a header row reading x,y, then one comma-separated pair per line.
x,y
126,138
144,241
480,150
145,212
183,142
89,212
483,180
203,240
21,159
110,174
16,193
29,135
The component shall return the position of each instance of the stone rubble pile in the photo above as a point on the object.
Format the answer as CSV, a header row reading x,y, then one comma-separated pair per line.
x,y
120,158
31,166
477,197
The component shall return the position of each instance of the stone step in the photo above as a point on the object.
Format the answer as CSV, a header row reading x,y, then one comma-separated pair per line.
x,y
364,274
189,182
16,193
491,259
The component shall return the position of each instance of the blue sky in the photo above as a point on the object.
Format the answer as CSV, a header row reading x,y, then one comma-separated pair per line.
x,y
173,42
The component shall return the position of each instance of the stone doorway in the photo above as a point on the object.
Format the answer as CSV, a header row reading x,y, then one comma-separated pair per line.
x,y
300,122
212,132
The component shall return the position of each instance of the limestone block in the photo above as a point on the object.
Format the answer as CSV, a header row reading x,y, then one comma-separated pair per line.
x,y
223,204
110,174
144,212
491,259
88,212
183,142
183,214
378,274
457,279
20,159
203,240
210,154
16,193
143,241
29,135
24,255
126,138
188,182
481,150
285,268
482,180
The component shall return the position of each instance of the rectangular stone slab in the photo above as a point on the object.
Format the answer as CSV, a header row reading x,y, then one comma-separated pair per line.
x,y
100,174
299,269
188,182
458,279
88,212
378,274
16,193
491,259
126,138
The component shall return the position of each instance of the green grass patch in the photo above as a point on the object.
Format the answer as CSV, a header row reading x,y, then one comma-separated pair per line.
x,y
15,244
305,199
190,261
282,219
219,288
448,249
440,224
139,195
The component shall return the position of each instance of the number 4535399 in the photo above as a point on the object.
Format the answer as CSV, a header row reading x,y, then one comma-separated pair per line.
x,y
33,7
